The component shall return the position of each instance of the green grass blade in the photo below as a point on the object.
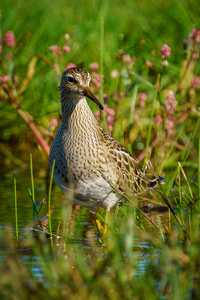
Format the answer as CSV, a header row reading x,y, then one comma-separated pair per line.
x,y
199,171
131,116
35,210
186,152
131,202
32,181
134,224
16,220
151,119
142,79
188,184
101,71
178,134
50,188
32,187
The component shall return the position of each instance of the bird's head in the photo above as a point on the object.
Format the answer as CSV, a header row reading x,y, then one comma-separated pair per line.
x,y
75,84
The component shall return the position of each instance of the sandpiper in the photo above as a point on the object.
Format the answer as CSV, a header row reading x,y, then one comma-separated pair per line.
x,y
83,151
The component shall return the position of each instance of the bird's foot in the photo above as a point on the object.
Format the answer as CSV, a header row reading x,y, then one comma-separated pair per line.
x,y
101,227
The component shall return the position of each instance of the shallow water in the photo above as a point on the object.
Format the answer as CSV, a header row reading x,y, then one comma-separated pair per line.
x,y
80,227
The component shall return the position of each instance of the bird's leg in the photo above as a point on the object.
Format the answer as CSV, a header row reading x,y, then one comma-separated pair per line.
x,y
102,228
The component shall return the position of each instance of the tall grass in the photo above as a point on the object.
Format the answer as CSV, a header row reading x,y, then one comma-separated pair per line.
x,y
151,118
16,220
199,174
50,189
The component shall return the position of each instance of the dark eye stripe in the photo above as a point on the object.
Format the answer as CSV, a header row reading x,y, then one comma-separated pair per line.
x,y
70,79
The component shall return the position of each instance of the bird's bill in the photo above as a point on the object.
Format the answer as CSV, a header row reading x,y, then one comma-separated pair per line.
x,y
87,92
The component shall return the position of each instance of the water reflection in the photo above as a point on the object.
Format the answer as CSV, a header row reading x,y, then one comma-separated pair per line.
x,y
82,231
36,264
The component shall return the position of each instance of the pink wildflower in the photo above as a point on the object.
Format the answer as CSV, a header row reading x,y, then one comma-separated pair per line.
x,y
114,74
53,124
165,51
0,49
158,120
106,109
110,127
97,80
4,78
54,48
169,123
148,64
97,115
170,103
110,119
171,97
165,63
66,49
111,112
196,82
10,39
15,81
195,56
94,66
195,35
8,56
98,77
169,126
98,84
70,65
142,98
126,58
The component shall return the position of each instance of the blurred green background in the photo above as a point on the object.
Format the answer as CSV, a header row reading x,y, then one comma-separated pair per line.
x,y
169,267
145,25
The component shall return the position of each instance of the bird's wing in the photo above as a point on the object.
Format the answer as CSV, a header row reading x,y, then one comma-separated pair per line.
x,y
124,171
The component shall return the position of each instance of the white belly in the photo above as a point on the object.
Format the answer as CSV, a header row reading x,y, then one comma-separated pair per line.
x,y
92,193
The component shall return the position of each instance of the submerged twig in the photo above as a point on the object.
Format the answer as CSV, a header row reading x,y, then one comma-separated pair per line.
x,y
34,209
172,210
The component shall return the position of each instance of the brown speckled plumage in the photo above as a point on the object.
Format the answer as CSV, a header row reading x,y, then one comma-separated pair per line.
x,y
82,150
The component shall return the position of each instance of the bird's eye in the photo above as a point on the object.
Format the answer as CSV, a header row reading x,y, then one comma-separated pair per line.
x,y
70,79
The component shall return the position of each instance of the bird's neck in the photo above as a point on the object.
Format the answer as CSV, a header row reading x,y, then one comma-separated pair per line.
x,y
78,116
